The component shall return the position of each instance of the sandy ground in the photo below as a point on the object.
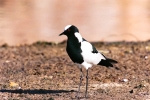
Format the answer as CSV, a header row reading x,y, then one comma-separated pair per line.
x,y
44,71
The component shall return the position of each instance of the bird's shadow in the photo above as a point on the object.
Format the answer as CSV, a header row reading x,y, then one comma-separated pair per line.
x,y
36,91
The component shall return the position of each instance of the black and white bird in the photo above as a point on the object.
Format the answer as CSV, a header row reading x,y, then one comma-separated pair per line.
x,y
83,53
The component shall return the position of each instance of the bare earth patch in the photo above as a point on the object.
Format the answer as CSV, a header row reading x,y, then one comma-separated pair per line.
x,y
44,71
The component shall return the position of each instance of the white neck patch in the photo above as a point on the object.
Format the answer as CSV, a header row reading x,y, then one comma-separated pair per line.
x,y
68,26
79,37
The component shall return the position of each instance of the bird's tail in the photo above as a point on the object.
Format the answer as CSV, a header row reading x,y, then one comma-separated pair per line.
x,y
107,62
111,60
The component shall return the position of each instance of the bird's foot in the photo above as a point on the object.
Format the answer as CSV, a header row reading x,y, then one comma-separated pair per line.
x,y
86,96
77,95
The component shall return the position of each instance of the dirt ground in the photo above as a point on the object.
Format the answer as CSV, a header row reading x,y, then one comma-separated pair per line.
x,y
44,71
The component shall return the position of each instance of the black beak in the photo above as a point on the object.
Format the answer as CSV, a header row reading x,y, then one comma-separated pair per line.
x,y
61,34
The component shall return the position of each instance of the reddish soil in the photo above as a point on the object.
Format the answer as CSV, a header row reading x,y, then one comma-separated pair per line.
x,y
44,71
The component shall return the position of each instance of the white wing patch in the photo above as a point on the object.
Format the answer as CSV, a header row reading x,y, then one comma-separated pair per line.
x,y
88,56
67,27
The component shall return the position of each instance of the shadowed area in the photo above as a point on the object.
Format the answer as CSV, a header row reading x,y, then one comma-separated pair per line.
x,y
40,91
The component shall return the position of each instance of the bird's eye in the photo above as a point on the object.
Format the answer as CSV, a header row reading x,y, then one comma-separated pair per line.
x,y
68,30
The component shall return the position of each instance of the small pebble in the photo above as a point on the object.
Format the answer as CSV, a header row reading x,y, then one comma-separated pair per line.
x,y
7,61
146,57
125,80
19,87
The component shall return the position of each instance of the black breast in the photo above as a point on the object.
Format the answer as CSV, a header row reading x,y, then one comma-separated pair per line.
x,y
74,50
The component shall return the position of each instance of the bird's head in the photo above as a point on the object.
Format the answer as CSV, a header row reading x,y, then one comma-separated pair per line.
x,y
69,30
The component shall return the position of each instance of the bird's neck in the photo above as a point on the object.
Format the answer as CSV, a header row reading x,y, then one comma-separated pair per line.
x,y
73,43
72,39
78,36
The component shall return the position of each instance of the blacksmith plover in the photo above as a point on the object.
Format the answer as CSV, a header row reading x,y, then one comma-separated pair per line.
x,y
83,53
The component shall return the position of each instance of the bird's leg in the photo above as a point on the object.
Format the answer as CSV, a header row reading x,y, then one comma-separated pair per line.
x,y
86,83
81,78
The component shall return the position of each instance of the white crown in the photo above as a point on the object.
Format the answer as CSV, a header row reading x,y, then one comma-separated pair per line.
x,y
67,27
